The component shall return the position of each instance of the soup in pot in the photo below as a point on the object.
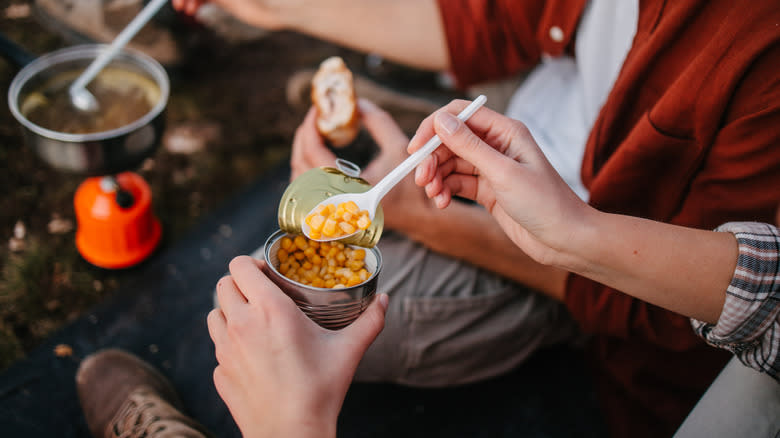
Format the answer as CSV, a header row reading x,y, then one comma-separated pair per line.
x,y
123,97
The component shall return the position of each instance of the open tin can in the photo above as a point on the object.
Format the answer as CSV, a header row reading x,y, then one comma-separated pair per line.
x,y
330,308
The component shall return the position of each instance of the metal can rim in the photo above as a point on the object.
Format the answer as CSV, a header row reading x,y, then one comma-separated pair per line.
x,y
278,234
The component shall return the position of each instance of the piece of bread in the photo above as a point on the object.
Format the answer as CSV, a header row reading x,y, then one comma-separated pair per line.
x,y
333,93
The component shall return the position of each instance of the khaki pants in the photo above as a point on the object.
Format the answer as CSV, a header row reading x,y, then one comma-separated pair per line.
x,y
449,322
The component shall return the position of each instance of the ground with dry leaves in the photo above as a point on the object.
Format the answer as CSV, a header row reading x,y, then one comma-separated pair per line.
x,y
228,121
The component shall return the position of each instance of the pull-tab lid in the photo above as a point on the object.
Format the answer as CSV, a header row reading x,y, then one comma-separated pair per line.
x,y
318,184
348,168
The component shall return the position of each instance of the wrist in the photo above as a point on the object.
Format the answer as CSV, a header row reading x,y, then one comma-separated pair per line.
x,y
271,15
309,428
302,426
413,222
306,17
579,241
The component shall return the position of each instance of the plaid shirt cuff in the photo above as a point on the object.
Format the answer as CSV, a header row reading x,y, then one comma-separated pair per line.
x,y
749,324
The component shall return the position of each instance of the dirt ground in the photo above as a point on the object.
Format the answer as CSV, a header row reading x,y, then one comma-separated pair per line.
x,y
227,101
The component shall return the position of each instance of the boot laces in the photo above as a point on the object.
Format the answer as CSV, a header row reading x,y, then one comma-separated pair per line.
x,y
139,417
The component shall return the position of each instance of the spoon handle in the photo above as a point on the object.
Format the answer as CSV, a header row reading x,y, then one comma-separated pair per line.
x,y
403,169
124,36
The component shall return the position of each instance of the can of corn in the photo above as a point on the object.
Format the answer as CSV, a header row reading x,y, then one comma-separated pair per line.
x,y
318,184
330,308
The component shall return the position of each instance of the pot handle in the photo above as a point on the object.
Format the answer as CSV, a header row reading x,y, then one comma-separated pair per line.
x,y
14,53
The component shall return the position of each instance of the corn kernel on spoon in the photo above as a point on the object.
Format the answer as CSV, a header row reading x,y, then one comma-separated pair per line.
x,y
369,200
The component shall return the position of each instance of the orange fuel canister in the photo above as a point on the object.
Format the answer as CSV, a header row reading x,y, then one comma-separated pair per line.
x,y
116,225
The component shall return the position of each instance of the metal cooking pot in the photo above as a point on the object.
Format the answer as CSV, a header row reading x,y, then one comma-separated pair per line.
x,y
98,153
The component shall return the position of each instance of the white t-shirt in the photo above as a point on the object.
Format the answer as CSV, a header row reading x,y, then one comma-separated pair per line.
x,y
561,98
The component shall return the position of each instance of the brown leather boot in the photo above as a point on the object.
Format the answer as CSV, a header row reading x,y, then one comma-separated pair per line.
x,y
123,396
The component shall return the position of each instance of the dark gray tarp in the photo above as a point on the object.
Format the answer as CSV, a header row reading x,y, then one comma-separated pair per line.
x,y
160,313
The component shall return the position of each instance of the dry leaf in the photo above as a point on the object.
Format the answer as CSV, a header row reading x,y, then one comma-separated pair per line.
x,y
16,245
63,350
60,226
186,139
15,12
20,231
147,165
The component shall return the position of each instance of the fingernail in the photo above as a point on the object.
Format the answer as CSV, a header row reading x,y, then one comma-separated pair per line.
x,y
439,199
383,301
447,121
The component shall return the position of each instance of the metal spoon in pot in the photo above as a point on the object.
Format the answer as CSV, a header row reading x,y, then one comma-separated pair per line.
x,y
369,200
81,98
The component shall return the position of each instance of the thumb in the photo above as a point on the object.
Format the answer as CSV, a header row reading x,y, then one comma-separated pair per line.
x,y
368,326
381,125
462,141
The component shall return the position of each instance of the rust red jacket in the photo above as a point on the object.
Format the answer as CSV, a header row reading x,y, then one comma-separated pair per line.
x,y
689,134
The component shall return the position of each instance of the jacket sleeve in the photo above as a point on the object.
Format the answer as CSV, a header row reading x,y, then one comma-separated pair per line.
x,y
738,179
491,39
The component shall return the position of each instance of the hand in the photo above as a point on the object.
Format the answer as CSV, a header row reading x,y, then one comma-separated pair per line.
x,y
404,200
280,373
495,161
404,203
308,148
266,14
189,7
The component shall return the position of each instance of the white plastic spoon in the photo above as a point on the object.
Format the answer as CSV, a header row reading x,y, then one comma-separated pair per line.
x,y
370,200
79,95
